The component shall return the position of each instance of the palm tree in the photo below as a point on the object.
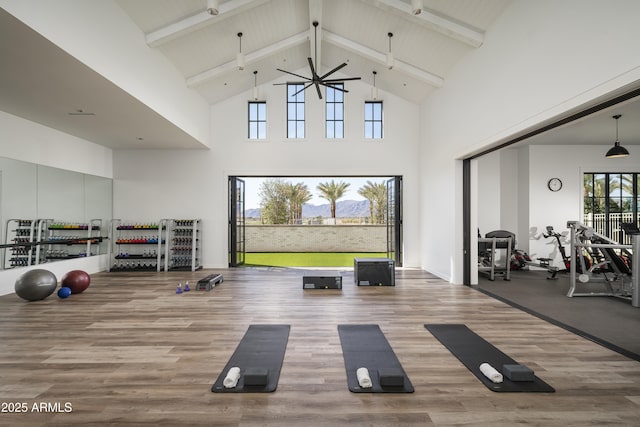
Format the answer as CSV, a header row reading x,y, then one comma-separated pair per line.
x,y
299,194
332,191
380,199
368,191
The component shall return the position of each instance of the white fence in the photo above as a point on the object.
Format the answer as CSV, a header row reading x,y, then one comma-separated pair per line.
x,y
599,224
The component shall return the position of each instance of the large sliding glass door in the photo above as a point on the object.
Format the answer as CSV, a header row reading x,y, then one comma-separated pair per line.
x,y
394,219
236,222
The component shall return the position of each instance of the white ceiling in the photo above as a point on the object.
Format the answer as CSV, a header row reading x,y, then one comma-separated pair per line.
x,y
41,82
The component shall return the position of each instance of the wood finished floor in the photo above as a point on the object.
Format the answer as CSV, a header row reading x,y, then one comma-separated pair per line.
x,y
130,351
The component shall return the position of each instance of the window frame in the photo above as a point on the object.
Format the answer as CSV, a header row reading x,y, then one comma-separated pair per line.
x,y
599,199
298,107
371,123
257,121
335,106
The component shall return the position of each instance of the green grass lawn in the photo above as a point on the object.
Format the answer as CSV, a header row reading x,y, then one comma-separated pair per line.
x,y
307,259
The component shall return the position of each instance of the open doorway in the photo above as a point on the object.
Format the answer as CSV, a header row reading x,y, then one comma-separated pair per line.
x,y
314,221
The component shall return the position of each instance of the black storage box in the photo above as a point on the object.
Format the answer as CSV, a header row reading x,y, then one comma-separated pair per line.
x,y
374,272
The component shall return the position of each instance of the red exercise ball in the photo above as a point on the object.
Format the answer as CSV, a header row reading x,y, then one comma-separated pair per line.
x,y
76,280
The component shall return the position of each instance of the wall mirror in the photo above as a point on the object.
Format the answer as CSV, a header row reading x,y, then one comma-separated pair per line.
x,y
51,204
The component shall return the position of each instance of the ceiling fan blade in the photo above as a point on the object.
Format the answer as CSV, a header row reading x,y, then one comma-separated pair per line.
x,y
313,70
290,83
318,89
333,87
304,88
341,80
344,64
293,74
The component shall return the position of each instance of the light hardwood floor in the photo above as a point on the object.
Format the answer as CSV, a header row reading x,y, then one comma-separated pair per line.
x,y
129,350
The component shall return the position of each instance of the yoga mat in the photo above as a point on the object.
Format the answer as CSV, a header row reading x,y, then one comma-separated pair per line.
x,y
473,350
263,346
366,346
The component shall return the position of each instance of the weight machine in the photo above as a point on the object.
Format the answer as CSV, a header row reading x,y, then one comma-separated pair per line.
x,y
620,276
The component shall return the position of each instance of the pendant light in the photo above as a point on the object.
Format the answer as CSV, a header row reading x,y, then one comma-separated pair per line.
x,y
212,7
390,60
240,57
416,7
374,89
255,85
617,150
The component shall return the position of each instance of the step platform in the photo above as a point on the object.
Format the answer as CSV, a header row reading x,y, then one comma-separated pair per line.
x,y
322,280
209,282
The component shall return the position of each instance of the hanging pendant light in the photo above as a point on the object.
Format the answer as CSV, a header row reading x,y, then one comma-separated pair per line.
x,y
255,85
416,7
374,89
212,7
390,61
617,150
240,57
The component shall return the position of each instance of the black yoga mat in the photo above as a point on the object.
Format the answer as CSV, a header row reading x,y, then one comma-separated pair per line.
x,y
473,350
366,346
263,346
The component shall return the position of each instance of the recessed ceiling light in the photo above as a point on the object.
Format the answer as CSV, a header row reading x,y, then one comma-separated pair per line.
x,y
80,112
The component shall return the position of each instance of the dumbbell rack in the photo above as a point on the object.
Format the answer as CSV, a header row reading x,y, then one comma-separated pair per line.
x,y
183,250
137,246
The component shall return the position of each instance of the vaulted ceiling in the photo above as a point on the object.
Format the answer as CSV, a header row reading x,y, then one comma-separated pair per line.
x,y
38,80
280,34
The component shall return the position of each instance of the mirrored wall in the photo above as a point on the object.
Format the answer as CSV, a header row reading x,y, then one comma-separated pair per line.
x,y
41,203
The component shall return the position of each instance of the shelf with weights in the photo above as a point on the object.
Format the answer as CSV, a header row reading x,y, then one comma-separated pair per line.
x,y
137,246
70,240
21,238
183,250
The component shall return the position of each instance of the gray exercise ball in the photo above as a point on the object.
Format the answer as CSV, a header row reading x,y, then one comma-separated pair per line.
x,y
35,285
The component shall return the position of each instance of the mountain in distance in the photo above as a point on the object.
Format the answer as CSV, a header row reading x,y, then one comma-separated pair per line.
x,y
344,209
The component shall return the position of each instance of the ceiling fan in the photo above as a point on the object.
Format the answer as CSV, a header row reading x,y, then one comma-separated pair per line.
x,y
315,79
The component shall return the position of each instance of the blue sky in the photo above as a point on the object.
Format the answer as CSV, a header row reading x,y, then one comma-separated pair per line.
x,y
252,187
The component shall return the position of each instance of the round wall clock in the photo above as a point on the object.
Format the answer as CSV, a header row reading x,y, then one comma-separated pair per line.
x,y
554,184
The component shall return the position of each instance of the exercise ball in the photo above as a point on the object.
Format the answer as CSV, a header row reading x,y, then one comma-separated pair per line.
x,y
64,292
76,280
35,285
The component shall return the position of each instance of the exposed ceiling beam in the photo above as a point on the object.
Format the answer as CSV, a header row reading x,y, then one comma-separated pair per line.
x,y
433,21
315,14
381,58
255,56
199,20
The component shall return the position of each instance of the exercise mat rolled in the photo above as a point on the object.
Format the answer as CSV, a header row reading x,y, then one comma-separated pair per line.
x,y
363,378
491,373
231,380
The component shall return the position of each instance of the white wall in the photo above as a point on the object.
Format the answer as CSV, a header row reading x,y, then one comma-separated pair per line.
x,y
154,184
540,60
28,141
102,36
489,194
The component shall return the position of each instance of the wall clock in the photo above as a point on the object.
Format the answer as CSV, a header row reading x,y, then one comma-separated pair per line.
x,y
554,184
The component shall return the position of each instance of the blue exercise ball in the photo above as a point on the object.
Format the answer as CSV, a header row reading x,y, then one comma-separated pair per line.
x,y
36,285
64,292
